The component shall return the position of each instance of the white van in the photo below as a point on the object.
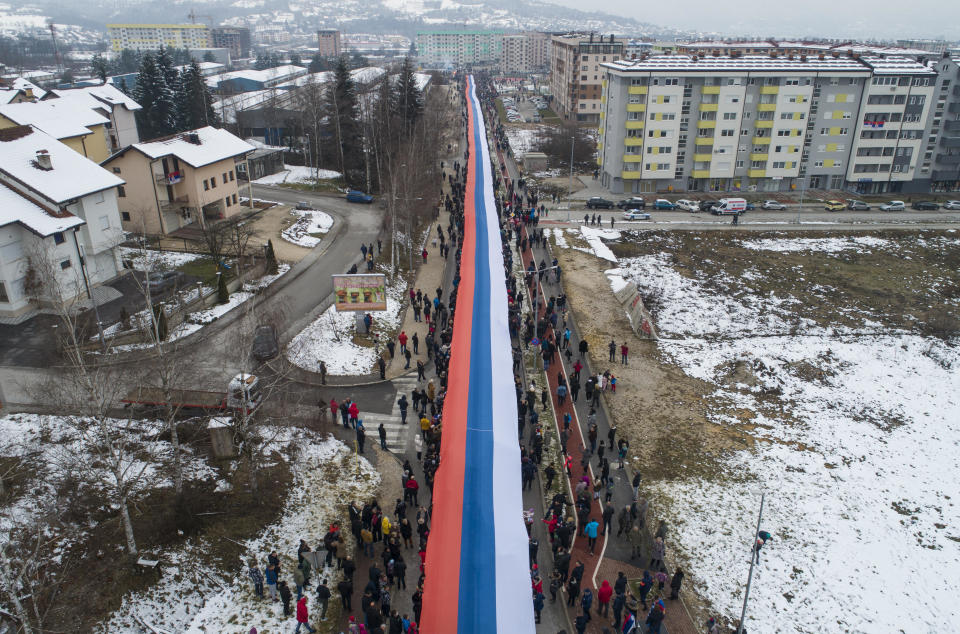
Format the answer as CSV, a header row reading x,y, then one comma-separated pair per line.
x,y
729,206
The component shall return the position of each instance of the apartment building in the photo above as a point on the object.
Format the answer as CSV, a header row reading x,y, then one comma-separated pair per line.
x,y
328,41
150,37
763,123
233,38
58,217
576,73
526,52
178,180
787,47
459,49
941,154
111,103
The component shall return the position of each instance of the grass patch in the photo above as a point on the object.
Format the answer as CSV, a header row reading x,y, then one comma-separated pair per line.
x,y
330,185
203,268
548,116
501,111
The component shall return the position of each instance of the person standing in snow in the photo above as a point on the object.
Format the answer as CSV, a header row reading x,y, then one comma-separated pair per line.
x,y
303,616
257,578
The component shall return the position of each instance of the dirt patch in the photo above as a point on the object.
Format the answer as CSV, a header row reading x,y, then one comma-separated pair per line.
x,y
269,225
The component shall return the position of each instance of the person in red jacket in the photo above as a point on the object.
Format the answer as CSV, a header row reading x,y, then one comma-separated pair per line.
x,y
603,598
623,353
334,408
402,338
303,617
354,414
412,486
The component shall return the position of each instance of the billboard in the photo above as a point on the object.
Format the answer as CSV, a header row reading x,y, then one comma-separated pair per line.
x,y
362,292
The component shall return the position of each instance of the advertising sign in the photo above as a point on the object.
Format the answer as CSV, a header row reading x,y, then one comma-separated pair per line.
x,y
362,292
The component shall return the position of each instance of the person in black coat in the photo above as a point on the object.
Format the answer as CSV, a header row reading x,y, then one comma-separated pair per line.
x,y
675,584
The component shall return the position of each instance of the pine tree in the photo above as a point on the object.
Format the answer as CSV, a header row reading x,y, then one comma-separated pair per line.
x,y
195,103
260,62
318,63
157,117
99,66
271,259
408,98
223,293
343,113
295,59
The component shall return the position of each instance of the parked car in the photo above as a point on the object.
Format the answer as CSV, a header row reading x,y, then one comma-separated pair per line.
x,y
925,205
635,202
634,214
893,205
749,207
661,203
597,202
857,205
162,281
688,205
772,204
356,196
834,205
952,204
265,346
730,206
303,205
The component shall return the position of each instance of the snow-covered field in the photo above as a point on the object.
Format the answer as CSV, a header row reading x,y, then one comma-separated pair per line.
x,y
309,222
857,452
522,140
296,174
152,260
191,597
330,338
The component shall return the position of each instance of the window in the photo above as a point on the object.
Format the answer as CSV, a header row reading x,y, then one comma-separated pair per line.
x,y
729,116
739,163
227,199
213,182
104,223
206,185
728,132
121,192
583,78
98,197
791,82
65,264
779,165
3,293
224,177
125,216
58,238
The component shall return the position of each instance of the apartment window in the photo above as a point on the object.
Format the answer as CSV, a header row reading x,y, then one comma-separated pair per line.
x,y
224,177
104,223
728,132
729,116
791,82
3,293
739,163
65,264
206,185
583,78
125,216
779,165
227,199
756,164
121,192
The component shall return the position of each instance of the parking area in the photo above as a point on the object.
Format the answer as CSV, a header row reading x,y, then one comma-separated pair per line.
x,y
524,109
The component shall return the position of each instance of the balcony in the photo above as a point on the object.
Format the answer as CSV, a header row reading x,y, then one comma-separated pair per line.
x,y
761,140
633,140
769,90
756,173
710,90
705,158
757,156
630,174
168,179
954,107
948,159
950,141
764,124
703,140
637,90
636,107
706,124
709,107
951,126
174,205
634,125
766,107
633,158
945,175
700,173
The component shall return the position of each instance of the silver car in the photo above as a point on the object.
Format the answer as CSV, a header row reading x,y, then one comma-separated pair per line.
x,y
952,204
772,204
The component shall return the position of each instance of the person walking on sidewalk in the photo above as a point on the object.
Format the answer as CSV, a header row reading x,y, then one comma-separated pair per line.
x,y
583,347
604,594
612,347
416,343
403,404
402,338
383,436
623,353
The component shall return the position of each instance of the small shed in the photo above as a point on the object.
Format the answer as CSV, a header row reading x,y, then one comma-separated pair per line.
x,y
534,161
263,161
221,437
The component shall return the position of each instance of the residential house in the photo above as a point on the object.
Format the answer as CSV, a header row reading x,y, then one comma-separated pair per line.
x,y
108,101
175,181
58,212
19,90
74,124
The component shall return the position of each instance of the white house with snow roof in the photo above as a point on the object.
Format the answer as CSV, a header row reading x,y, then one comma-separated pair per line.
x,y
59,213
108,101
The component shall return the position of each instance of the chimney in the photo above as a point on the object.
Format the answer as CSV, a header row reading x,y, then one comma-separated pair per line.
x,y
591,37
194,138
43,160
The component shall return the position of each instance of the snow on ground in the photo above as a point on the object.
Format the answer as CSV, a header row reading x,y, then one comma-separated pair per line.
x,y
309,222
296,174
193,598
859,463
595,238
153,260
522,140
559,238
330,338
820,245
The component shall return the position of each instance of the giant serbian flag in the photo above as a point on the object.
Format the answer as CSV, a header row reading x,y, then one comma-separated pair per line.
x,y
477,579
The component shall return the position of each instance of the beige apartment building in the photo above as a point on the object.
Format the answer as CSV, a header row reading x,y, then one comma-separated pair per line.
x,y
328,41
525,52
576,75
186,178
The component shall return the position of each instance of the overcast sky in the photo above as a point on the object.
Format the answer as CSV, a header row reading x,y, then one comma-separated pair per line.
x,y
882,19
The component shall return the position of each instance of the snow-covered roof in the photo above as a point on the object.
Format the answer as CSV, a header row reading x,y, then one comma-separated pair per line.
x,y
61,118
228,106
214,145
367,75
422,80
106,94
278,73
73,175
16,208
312,78
896,65
19,83
745,63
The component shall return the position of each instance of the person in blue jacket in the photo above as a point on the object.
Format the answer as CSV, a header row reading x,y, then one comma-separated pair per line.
x,y
590,530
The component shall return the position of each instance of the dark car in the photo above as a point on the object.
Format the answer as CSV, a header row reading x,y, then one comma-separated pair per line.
x,y
857,205
750,207
925,205
356,196
265,346
599,203
636,202
159,282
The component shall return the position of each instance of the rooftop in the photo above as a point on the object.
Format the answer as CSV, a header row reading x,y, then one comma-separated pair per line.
x,y
72,176
212,145
270,74
14,208
97,96
61,118
896,65
746,63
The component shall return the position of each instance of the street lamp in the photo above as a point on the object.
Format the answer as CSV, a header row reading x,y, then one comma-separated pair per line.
x,y
754,556
570,184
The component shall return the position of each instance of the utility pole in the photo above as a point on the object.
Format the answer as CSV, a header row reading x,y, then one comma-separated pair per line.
x,y
753,559
803,188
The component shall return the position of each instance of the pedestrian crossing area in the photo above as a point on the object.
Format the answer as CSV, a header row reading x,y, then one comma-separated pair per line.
x,y
398,434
